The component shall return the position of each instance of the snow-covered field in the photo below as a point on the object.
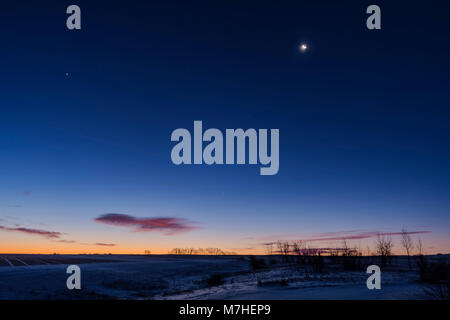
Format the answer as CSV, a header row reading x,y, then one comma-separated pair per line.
x,y
195,277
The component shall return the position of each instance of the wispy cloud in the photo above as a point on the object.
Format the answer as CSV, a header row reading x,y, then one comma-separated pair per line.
x,y
14,206
338,233
54,236
66,241
168,225
73,242
105,244
43,233
364,235
352,235
26,192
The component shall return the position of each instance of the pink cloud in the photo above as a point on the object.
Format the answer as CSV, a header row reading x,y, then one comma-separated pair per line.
x,y
168,225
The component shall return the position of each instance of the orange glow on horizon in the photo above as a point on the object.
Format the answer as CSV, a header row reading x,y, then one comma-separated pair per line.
x,y
29,249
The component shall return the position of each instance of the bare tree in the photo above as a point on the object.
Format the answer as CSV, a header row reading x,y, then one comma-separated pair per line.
x,y
419,246
269,248
335,252
346,251
384,246
298,247
214,251
407,243
284,249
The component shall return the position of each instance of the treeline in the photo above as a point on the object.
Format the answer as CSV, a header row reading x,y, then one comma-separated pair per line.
x,y
301,248
201,251
383,248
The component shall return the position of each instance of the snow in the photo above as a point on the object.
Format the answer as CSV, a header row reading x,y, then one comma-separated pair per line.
x,y
190,277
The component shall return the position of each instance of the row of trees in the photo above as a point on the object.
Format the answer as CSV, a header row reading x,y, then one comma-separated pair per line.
x,y
385,244
383,248
200,251
301,248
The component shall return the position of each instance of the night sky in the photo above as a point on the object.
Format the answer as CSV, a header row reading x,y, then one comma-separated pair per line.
x,y
86,118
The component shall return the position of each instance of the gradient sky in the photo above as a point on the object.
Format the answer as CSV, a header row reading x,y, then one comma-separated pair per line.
x,y
86,118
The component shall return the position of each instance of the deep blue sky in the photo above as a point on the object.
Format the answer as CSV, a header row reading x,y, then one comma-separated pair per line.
x,y
363,116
